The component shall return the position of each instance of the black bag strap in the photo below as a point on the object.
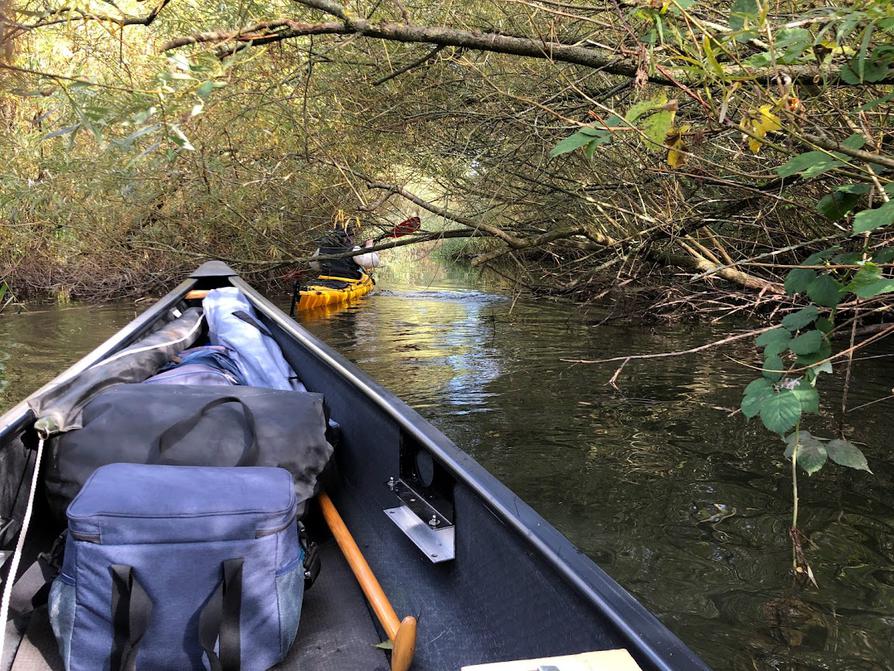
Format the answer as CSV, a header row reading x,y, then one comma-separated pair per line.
x,y
131,610
219,620
177,431
32,588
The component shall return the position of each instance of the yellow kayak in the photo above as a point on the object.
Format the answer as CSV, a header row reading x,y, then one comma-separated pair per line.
x,y
329,290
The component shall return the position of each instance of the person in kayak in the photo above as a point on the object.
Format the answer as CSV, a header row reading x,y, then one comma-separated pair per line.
x,y
350,267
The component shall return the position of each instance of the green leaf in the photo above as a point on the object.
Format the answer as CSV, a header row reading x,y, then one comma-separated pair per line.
x,y
798,279
808,397
774,336
773,367
781,412
884,285
801,318
869,220
128,141
854,141
823,353
824,367
824,290
744,14
811,452
755,393
809,164
812,456
204,90
824,325
845,453
850,258
571,143
61,131
868,282
836,205
759,387
384,645
818,257
793,439
792,43
872,104
807,343
657,126
638,109
180,139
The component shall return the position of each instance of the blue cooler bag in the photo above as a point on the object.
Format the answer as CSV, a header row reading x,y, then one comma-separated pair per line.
x,y
171,568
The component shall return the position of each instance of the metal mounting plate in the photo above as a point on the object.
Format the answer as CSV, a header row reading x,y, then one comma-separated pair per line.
x,y
436,543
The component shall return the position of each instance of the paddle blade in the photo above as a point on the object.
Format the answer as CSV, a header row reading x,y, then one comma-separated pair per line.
x,y
406,227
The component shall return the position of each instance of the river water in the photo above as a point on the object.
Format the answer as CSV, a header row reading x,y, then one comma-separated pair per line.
x,y
686,506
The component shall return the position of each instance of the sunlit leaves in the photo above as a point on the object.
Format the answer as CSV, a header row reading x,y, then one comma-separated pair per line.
x,y
868,282
180,139
128,141
657,126
759,123
62,131
744,17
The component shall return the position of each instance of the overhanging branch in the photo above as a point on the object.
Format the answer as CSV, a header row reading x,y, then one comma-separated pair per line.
x,y
442,36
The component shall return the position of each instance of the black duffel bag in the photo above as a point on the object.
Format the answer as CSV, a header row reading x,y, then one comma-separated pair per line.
x,y
192,425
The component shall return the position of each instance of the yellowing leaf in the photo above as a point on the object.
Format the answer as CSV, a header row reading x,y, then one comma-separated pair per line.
x,y
676,146
757,124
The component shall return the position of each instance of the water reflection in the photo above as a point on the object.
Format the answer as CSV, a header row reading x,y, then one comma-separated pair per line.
x,y
686,506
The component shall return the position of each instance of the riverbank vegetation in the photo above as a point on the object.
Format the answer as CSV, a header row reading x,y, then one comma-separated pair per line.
x,y
666,156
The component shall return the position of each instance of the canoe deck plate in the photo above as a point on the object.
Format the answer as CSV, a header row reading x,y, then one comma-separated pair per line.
x,y
429,529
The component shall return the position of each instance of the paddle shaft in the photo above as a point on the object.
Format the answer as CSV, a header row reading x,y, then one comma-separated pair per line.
x,y
367,579
402,633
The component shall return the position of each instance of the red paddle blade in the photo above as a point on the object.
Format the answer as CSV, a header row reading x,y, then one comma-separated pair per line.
x,y
406,227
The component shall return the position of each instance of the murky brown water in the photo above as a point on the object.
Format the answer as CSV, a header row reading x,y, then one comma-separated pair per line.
x,y
629,475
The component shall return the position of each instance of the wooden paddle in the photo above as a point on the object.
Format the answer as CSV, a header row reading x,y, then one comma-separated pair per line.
x,y
402,633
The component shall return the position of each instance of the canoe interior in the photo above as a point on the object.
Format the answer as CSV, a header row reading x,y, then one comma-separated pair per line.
x,y
516,588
